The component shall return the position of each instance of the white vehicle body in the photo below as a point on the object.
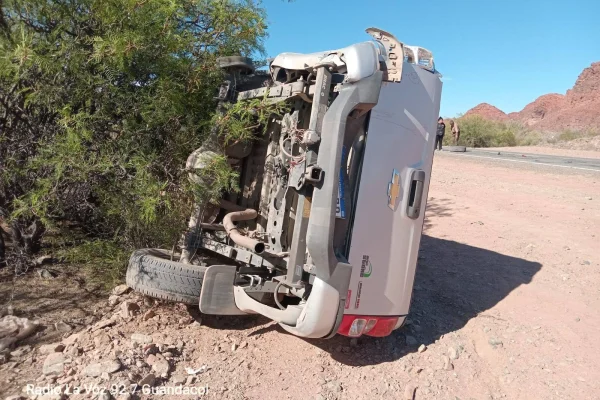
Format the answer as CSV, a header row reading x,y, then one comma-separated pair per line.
x,y
333,195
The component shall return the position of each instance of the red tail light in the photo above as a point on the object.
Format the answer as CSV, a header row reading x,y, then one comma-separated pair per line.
x,y
357,325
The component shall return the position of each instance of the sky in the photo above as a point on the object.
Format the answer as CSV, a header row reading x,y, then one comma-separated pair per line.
x,y
503,52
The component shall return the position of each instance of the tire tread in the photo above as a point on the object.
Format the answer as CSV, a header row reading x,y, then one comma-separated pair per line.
x,y
151,272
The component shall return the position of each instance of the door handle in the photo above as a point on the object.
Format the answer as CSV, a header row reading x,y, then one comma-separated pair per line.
x,y
415,195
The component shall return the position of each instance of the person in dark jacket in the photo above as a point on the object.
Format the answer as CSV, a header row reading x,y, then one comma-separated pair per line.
x,y
439,134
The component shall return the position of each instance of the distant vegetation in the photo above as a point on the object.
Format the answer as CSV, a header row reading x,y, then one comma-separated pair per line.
x,y
476,131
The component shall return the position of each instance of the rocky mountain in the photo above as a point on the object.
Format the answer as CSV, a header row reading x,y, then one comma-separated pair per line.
x,y
487,111
578,109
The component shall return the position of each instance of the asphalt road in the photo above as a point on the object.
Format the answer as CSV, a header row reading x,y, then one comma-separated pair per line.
x,y
586,164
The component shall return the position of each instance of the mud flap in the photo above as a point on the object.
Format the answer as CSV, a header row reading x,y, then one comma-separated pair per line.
x,y
216,296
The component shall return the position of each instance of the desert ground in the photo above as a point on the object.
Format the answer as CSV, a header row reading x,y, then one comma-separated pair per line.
x,y
506,305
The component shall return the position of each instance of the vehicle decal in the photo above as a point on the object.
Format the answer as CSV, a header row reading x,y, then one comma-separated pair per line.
x,y
393,191
365,267
358,290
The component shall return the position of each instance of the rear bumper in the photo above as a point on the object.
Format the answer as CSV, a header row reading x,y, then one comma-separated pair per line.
x,y
314,319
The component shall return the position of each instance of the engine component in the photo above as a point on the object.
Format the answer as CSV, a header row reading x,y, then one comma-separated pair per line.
x,y
236,235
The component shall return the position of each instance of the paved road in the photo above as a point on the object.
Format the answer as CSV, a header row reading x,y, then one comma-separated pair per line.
x,y
587,164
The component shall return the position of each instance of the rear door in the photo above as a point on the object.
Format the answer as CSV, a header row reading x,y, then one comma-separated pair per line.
x,y
392,195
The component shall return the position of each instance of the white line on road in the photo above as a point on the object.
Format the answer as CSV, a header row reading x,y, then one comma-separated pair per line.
x,y
521,161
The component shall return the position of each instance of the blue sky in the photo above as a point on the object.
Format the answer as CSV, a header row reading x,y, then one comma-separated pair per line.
x,y
502,52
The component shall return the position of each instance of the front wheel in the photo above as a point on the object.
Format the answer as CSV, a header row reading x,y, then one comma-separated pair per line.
x,y
152,273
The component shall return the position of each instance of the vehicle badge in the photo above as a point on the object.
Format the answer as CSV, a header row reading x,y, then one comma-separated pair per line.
x,y
394,190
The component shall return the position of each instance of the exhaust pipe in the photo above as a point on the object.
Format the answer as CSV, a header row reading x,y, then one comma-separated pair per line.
x,y
236,236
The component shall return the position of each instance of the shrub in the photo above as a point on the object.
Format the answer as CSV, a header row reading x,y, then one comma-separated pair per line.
x,y
476,131
101,102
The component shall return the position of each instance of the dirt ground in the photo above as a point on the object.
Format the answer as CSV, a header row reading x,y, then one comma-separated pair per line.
x,y
507,287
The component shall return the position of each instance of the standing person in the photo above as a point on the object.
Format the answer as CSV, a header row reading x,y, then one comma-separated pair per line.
x,y
439,134
455,131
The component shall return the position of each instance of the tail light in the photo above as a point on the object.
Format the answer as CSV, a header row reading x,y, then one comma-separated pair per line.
x,y
357,325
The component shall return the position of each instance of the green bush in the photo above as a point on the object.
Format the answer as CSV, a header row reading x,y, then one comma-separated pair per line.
x,y
101,102
476,131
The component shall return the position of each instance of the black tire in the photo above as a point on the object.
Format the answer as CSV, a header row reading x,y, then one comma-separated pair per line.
x,y
152,273
455,149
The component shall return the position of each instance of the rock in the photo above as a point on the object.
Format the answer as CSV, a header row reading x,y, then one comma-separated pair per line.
x,y
21,351
54,364
74,338
334,387
178,380
452,353
234,347
4,357
148,314
13,329
150,349
128,309
104,395
74,351
411,341
121,290
113,299
190,380
147,380
194,371
46,259
126,396
495,342
448,366
66,380
141,338
51,348
63,327
422,348
409,392
46,274
148,301
97,369
102,340
160,365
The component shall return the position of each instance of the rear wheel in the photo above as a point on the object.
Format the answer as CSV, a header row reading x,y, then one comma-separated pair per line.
x,y
152,272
